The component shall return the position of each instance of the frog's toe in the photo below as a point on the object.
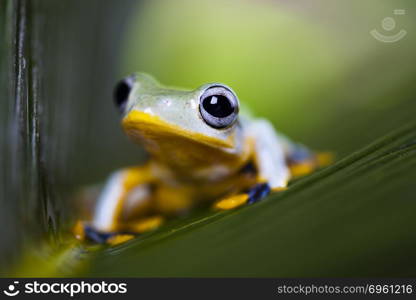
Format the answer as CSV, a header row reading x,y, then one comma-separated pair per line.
x,y
96,236
231,202
325,158
119,238
303,168
308,165
83,231
145,224
258,192
254,194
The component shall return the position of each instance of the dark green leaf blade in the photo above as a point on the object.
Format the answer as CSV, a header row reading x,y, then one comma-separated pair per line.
x,y
355,218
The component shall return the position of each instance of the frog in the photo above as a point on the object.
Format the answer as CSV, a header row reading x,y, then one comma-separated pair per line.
x,y
203,150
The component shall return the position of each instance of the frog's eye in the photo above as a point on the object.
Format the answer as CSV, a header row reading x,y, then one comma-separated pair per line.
x,y
218,106
122,92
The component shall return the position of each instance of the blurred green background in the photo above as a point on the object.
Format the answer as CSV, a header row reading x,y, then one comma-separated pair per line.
x,y
311,67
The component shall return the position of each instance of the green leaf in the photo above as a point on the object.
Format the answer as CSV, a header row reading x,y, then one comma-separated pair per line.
x,y
355,218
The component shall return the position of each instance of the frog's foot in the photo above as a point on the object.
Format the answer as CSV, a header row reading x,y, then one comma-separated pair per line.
x,y
302,168
308,165
85,232
325,159
254,194
136,228
145,224
120,238
231,202
99,237
258,192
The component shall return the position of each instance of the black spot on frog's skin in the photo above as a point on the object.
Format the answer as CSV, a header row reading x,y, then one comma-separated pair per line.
x,y
258,192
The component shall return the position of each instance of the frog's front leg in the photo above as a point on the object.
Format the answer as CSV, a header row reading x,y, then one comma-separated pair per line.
x,y
126,190
269,159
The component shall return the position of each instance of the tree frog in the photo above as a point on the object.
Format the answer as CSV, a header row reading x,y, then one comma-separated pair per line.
x,y
202,150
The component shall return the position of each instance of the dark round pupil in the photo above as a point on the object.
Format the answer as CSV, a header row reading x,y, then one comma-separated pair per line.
x,y
121,94
218,106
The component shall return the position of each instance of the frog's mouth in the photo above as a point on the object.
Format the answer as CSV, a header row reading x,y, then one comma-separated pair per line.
x,y
150,129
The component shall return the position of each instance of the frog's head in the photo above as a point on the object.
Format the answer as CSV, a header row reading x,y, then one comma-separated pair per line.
x,y
189,129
